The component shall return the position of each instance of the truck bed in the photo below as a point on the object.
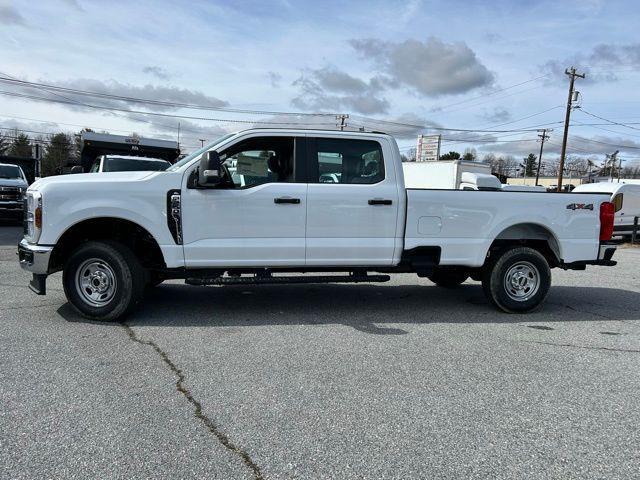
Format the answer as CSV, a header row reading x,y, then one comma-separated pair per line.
x,y
465,223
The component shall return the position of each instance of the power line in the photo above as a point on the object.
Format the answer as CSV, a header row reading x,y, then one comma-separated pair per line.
x,y
431,127
164,115
493,93
525,118
15,81
607,120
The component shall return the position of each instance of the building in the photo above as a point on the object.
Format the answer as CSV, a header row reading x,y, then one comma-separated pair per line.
x,y
545,181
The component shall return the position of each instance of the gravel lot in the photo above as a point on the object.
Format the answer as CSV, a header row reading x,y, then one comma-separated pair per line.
x,y
399,380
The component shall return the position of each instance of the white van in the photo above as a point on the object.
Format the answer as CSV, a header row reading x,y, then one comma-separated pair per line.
x,y
625,197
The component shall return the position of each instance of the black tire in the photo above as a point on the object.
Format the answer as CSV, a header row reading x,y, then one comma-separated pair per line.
x,y
154,280
448,278
93,264
517,280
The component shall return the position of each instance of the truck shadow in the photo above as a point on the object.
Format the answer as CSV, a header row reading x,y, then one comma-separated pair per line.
x,y
373,309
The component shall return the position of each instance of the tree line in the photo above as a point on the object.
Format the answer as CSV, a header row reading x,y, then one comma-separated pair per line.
x,y
58,149
510,166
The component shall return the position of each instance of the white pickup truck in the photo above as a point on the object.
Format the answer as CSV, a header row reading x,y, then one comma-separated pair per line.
x,y
331,205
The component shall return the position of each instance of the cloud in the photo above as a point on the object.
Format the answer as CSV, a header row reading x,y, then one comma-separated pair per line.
x,y
497,115
330,89
599,64
148,92
74,4
157,72
9,15
432,68
578,146
274,79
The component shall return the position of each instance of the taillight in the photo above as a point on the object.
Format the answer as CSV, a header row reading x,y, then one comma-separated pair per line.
x,y
606,220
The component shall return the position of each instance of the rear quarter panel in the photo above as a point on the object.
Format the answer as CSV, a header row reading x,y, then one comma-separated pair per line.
x,y
465,223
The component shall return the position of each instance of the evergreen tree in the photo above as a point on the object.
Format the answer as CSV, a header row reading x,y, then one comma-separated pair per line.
x,y
56,153
20,146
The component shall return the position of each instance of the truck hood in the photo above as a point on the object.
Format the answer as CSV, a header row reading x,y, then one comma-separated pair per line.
x,y
12,182
85,178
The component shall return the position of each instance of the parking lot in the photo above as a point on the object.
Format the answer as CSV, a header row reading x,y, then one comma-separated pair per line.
x,y
399,380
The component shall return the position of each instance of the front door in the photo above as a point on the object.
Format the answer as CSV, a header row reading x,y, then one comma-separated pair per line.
x,y
352,203
257,216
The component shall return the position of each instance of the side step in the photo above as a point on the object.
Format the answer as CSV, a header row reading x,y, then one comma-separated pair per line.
x,y
267,280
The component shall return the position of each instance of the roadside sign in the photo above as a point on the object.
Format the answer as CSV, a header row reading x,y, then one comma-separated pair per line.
x,y
428,149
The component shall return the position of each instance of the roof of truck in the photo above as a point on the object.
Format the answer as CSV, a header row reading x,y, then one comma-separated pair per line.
x,y
313,130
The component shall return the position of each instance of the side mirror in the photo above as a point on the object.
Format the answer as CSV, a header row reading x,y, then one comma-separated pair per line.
x,y
210,171
77,169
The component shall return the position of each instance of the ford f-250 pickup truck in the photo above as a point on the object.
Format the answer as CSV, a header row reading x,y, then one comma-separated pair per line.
x,y
264,205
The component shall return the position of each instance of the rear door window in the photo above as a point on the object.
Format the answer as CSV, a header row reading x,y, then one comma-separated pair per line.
x,y
346,161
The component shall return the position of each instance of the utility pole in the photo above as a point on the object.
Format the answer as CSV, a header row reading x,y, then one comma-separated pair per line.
x,y
543,136
619,169
572,78
611,159
202,142
342,117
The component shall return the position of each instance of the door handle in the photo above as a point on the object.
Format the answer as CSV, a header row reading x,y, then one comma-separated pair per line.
x,y
379,201
295,201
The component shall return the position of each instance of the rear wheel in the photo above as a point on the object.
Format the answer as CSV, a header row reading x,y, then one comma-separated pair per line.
x,y
517,280
448,278
103,280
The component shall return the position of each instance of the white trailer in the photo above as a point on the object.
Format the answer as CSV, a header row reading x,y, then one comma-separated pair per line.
x,y
625,197
441,175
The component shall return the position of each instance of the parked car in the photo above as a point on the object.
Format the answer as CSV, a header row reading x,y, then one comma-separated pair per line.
x,y
13,185
126,163
626,199
112,235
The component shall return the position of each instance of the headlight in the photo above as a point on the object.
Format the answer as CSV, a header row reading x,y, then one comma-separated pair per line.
x,y
33,220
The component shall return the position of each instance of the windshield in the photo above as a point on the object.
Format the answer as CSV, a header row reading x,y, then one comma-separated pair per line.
x,y
197,153
10,171
131,165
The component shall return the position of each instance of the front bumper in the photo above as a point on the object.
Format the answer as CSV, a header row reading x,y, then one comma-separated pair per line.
x,y
35,259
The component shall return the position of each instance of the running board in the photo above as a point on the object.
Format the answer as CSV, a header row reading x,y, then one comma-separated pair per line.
x,y
266,280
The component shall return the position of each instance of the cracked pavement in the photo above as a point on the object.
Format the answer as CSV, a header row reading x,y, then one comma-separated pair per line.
x,y
399,380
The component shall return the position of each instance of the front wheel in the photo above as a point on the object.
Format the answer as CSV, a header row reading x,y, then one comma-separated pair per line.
x,y
103,280
518,280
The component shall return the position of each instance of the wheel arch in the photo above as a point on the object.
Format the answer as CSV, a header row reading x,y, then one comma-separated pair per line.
x,y
531,234
138,239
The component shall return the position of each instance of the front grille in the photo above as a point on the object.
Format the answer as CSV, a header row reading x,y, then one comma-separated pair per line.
x,y
10,193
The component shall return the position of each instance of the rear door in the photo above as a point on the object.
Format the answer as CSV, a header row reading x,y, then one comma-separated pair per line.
x,y
352,202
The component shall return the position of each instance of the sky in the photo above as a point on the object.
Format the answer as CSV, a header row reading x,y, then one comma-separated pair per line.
x,y
469,65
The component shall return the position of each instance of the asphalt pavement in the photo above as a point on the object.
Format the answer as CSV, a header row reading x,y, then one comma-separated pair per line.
x,y
396,380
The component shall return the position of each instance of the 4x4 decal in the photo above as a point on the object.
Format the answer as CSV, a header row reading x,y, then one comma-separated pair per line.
x,y
580,206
